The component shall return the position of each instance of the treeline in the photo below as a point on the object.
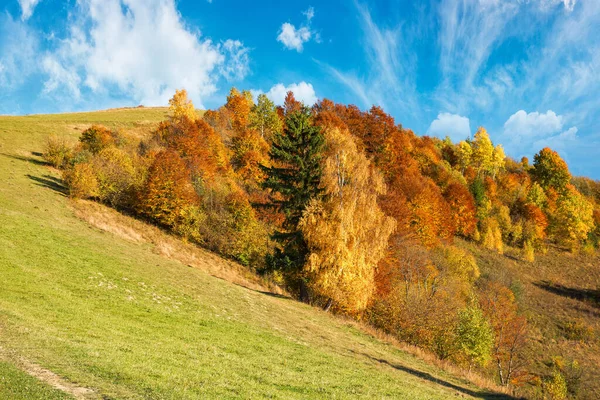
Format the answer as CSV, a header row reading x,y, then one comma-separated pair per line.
x,y
350,211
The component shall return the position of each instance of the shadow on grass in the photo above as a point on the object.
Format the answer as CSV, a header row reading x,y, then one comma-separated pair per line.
x,y
279,296
426,376
36,159
50,182
589,296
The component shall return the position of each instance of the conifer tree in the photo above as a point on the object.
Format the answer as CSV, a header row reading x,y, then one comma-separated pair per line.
x,y
294,179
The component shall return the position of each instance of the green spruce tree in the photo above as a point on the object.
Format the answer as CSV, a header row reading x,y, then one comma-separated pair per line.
x,y
294,180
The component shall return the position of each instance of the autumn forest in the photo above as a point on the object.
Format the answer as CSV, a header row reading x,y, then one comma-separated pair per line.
x,y
349,211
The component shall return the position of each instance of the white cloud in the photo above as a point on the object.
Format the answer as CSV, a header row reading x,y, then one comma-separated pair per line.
x,y
18,50
293,38
558,142
27,7
303,92
391,66
526,133
455,126
569,4
236,62
530,125
142,50
310,13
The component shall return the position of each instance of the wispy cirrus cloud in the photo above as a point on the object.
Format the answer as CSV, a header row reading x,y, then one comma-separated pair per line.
x,y
390,78
27,7
19,46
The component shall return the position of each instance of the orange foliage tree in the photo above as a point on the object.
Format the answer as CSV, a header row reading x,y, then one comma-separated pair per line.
x,y
462,209
510,331
168,190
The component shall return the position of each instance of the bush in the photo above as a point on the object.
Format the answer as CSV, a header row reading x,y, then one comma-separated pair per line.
x,y
578,330
96,138
555,386
117,177
81,181
57,152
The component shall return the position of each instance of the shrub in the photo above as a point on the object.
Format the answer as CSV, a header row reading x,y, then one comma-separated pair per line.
x,y
555,386
57,151
578,330
492,236
81,181
117,177
96,138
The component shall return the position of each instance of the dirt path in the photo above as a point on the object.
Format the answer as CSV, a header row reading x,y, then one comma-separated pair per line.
x,y
49,377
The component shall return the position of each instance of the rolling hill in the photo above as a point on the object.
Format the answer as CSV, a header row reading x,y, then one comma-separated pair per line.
x,y
101,306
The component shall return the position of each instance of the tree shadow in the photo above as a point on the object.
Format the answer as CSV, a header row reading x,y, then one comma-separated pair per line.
x,y
50,182
483,394
36,159
585,295
277,295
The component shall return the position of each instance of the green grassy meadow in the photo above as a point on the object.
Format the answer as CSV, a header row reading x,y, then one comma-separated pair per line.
x,y
114,316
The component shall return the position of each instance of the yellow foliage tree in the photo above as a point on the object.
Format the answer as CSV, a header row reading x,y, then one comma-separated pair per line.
x,y
574,218
462,267
483,151
346,232
180,106
497,163
465,155
492,235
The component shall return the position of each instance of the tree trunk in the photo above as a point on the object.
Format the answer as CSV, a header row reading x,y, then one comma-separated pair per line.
x,y
328,305
304,295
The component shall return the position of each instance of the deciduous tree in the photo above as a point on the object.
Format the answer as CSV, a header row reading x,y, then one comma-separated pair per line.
x,y
180,106
167,191
345,231
550,170
263,117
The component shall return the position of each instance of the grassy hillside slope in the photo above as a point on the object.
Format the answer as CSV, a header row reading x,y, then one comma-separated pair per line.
x,y
115,316
560,294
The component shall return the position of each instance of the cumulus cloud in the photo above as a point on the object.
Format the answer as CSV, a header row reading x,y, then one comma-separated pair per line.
x,y
294,38
535,124
527,133
558,142
27,7
303,92
453,125
142,50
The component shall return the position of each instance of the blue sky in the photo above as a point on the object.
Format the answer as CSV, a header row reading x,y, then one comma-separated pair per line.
x,y
527,70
